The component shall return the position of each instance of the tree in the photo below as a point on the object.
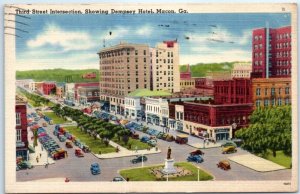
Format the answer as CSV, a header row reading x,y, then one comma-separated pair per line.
x,y
106,136
270,128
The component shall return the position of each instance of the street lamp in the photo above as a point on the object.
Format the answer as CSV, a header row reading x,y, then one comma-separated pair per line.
x,y
142,160
198,173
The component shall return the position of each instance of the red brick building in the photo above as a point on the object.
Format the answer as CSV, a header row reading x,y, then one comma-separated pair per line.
x,y
234,91
91,75
271,52
215,122
205,85
21,128
46,88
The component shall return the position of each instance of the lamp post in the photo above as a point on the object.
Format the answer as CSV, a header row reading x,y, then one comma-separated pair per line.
x,y
142,160
198,173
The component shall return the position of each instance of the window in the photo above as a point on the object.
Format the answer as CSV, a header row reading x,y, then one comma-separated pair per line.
x,y
287,101
137,79
279,90
257,103
272,91
18,118
145,60
19,135
266,91
136,52
257,91
273,102
266,102
287,90
279,102
144,52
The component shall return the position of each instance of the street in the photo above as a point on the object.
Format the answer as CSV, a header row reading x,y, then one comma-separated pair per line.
x,y
78,169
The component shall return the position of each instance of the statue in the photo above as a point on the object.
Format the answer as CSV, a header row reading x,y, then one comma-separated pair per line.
x,y
169,153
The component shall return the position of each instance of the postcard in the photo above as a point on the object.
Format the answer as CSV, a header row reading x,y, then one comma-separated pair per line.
x,y
150,98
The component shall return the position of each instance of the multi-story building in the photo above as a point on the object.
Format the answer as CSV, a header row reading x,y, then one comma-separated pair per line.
x,y
46,88
165,67
234,91
215,122
21,128
157,111
60,90
241,70
133,107
24,83
271,92
176,115
186,80
33,86
87,94
271,52
127,67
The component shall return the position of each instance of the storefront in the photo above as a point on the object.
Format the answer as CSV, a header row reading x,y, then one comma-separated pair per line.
x,y
222,134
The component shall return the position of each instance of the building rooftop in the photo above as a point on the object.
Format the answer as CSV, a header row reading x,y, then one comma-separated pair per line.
x,y
120,46
146,92
218,105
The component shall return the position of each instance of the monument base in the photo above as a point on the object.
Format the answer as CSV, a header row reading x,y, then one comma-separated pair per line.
x,y
169,167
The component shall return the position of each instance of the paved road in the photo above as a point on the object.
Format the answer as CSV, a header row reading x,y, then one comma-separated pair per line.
x,y
77,169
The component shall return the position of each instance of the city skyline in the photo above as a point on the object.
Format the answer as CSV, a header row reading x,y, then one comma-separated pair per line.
x,y
75,39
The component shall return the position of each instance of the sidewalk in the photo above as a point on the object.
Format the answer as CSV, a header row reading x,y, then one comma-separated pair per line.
x,y
125,152
192,141
42,155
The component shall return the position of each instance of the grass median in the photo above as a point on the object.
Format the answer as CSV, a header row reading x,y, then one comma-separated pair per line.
x,y
144,174
132,144
95,145
56,119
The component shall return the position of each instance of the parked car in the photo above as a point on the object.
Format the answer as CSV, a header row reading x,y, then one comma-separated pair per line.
x,y
44,124
24,165
145,139
95,169
160,135
195,158
197,152
62,138
181,139
139,159
152,142
69,144
228,150
78,153
224,164
118,179
135,136
86,149
229,143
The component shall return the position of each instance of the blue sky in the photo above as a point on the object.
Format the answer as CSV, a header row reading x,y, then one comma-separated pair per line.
x,y
72,41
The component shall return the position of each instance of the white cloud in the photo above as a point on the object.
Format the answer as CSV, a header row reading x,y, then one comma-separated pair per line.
x,y
246,37
56,36
144,31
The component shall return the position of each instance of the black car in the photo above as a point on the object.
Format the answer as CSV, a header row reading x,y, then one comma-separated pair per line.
x,y
118,179
139,159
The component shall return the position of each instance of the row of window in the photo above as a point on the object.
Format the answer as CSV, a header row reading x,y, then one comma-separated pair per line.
x,y
283,45
283,36
165,84
272,102
154,109
170,54
283,54
187,83
273,90
283,72
283,63
165,61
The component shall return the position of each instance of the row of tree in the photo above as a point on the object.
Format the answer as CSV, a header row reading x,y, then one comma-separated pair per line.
x,y
93,126
38,100
269,129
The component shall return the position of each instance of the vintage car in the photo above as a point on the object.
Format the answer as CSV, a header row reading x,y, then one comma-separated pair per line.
x,y
85,148
228,143
228,150
95,169
77,142
58,154
145,139
181,139
118,179
160,135
135,136
44,124
197,152
224,164
139,159
78,153
24,165
169,138
152,142
195,158
69,144
62,138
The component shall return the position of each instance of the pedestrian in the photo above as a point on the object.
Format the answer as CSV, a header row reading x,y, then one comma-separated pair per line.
x,y
37,159
40,155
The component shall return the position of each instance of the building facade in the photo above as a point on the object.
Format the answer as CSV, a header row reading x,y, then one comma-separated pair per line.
x,y
271,92
176,116
133,107
165,67
33,86
47,88
271,52
241,70
88,94
21,128
24,83
215,122
157,111
235,91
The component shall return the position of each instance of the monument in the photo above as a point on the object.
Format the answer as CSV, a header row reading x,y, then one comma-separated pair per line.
x,y
169,164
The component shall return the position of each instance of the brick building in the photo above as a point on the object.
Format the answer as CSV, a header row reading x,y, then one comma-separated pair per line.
x,y
21,128
88,94
215,122
271,52
46,88
271,92
235,91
